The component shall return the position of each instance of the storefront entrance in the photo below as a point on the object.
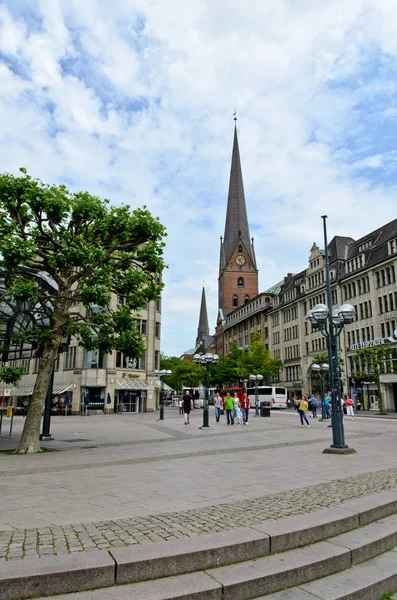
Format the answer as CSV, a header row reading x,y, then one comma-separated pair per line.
x,y
130,401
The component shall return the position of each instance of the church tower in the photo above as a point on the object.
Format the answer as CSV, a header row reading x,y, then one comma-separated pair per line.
x,y
238,274
203,339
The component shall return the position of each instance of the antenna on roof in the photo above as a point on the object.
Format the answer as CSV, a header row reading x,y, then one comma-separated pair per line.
x,y
235,114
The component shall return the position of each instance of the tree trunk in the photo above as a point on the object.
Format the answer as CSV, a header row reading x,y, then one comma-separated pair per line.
x,y
30,439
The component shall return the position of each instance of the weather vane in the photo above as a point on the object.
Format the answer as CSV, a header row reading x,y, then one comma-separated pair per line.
x,y
235,114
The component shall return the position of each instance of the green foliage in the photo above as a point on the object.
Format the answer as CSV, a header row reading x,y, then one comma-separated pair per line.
x,y
89,249
11,375
225,371
258,360
184,372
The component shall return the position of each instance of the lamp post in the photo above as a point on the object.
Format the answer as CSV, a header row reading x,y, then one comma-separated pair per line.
x,y
321,369
206,360
256,379
330,323
161,374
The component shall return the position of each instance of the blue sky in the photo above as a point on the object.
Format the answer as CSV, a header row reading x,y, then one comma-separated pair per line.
x,y
133,100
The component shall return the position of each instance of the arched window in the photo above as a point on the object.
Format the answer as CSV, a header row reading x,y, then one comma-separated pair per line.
x,y
246,298
240,248
240,282
235,300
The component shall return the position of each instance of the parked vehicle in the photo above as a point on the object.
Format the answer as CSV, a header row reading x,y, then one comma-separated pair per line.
x,y
277,396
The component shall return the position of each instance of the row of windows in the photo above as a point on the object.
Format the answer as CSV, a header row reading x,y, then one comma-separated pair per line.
x,y
124,362
320,299
276,337
290,314
355,263
316,279
387,302
291,352
392,246
360,286
291,333
360,335
385,276
388,329
290,295
318,345
363,310
275,320
314,263
365,245
292,373
235,299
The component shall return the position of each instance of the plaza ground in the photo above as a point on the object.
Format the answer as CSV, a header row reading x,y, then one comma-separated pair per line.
x,y
130,479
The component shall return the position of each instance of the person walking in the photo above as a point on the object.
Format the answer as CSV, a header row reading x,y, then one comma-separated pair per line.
x,y
187,406
229,407
349,407
218,406
303,406
181,406
313,406
238,413
327,401
245,405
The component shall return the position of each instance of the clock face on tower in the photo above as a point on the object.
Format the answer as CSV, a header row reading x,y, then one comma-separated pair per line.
x,y
240,259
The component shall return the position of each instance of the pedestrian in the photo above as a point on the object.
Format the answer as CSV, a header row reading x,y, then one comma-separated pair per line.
x,y
236,403
303,406
218,405
350,407
327,402
288,403
313,406
238,413
187,406
181,406
245,405
229,406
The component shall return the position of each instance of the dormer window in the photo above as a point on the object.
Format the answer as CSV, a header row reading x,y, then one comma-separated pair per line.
x,y
240,248
240,282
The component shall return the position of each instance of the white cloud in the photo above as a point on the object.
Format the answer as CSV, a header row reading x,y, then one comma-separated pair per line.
x,y
134,101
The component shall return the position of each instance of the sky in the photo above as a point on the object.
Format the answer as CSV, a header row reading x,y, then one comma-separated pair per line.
x,y
133,100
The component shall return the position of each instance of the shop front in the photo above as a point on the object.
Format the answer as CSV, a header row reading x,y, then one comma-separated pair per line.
x,y
132,395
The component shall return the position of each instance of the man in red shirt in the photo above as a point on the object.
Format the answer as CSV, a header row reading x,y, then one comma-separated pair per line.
x,y
245,407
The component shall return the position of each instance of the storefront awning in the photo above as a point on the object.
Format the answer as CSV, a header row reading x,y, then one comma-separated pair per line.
x,y
27,390
133,383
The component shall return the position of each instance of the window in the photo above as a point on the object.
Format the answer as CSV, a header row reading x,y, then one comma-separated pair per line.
x,y
157,330
156,359
70,358
392,246
143,326
240,248
235,300
93,359
246,298
125,362
158,305
240,282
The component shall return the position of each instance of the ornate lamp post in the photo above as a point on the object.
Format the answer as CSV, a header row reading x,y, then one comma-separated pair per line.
x,y
322,369
206,360
331,323
161,374
256,379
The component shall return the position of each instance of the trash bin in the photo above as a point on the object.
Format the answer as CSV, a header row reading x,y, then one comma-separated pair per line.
x,y
265,409
9,411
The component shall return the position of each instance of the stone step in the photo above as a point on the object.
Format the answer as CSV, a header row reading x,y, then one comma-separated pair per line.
x,y
287,566
367,581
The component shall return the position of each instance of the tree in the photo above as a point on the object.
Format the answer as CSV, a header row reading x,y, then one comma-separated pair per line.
x,y
372,362
257,360
225,371
88,249
184,372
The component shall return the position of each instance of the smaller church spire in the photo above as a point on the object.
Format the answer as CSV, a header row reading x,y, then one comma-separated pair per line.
x,y
203,328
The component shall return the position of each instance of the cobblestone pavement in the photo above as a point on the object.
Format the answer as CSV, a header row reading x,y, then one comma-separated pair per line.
x,y
21,544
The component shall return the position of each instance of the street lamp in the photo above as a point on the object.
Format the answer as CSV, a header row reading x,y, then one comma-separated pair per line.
x,y
206,360
161,374
322,369
330,323
256,379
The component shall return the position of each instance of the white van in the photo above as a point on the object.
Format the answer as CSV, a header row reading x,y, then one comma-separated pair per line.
x,y
277,396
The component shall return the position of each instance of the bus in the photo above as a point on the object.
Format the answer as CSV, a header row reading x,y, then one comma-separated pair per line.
x,y
232,391
277,396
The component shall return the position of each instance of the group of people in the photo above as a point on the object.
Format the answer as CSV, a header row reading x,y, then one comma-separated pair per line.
x,y
303,405
237,409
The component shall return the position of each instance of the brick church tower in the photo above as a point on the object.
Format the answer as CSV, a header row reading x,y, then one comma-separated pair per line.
x,y
238,274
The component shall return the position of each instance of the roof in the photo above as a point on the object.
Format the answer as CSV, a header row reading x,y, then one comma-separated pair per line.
x,y
27,390
236,224
203,328
275,289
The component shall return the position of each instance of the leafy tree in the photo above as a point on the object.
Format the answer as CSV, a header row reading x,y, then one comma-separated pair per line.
x,y
184,372
257,360
89,250
372,362
11,375
225,371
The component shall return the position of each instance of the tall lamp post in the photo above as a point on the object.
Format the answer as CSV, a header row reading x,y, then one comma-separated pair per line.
x,y
321,369
330,323
161,374
256,379
206,360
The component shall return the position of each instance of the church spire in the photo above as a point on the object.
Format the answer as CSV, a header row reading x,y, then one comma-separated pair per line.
x,y
203,328
236,225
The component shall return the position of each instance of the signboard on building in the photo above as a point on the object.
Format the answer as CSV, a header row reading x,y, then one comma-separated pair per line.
x,y
369,344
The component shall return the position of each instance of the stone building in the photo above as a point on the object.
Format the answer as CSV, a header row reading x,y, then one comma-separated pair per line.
x,y
95,382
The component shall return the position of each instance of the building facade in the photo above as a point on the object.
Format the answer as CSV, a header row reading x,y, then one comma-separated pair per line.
x,y
362,273
92,382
